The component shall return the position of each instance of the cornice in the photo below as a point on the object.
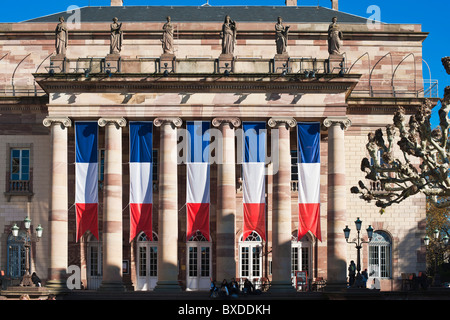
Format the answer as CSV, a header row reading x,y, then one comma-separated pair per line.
x,y
196,83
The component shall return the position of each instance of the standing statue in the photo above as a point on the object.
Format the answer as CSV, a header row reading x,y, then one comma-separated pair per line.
x,y
167,40
281,36
62,37
116,37
334,38
228,36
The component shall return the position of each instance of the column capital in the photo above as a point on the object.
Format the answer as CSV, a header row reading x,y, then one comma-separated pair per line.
x,y
177,122
235,122
118,122
49,121
279,121
344,122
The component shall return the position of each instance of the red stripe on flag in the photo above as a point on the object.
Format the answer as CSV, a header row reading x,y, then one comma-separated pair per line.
x,y
141,220
309,219
254,219
87,219
198,219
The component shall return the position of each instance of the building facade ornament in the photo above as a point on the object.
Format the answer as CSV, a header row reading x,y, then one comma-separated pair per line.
x,y
167,40
228,36
116,37
119,122
281,36
66,122
278,121
344,122
62,37
235,122
177,122
335,37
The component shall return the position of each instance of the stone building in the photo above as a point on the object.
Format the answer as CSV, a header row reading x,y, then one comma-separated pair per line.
x,y
47,87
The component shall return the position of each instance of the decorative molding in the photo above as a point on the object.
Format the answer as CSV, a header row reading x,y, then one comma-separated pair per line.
x,y
232,121
278,121
118,122
344,122
177,122
66,122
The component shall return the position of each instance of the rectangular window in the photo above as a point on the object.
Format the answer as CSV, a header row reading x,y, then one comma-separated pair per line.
x,y
245,262
205,262
294,166
142,261
20,164
101,165
155,165
193,261
153,261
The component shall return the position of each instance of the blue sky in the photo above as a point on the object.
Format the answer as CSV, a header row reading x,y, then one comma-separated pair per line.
x,y
431,14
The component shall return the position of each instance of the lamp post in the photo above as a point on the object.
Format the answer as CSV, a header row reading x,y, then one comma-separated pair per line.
x,y
26,279
358,242
438,242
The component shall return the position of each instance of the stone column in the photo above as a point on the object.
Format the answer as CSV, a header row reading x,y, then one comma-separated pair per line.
x,y
281,206
168,205
226,199
112,205
336,204
58,215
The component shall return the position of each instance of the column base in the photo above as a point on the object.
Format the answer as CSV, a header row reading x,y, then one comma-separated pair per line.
x,y
167,287
281,287
112,286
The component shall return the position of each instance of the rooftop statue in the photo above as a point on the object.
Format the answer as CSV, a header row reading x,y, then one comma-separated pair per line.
x,y
62,37
116,37
167,40
228,36
281,36
334,38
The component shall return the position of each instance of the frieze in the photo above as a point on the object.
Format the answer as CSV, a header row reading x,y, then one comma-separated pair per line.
x,y
189,86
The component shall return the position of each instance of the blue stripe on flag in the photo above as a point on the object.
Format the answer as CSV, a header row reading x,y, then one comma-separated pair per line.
x,y
198,141
308,136
141,141
254,141
86,143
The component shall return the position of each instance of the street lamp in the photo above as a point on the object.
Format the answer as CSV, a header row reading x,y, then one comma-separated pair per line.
x,y
26,280
439,242
358,242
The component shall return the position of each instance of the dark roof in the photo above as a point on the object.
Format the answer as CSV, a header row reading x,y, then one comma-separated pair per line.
x,y
306,14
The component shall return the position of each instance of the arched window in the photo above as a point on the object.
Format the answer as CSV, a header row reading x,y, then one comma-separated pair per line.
x,y
300,254
380,255
147,262
16,255
94,262
250,257
199,262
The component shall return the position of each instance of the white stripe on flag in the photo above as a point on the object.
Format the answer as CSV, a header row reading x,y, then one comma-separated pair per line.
x,y
253,182
308,182
86,182
141,182
198,182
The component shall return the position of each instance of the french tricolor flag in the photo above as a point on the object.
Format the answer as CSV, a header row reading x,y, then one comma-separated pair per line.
x,y
253,178
86,177
198,178
141,182
308,137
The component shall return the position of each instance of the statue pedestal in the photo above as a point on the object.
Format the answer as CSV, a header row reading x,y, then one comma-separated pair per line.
x,y
112,62
167,62
225,62
334,65
281,63
58,64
